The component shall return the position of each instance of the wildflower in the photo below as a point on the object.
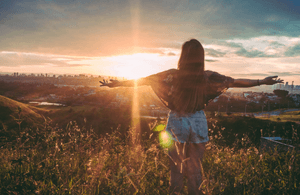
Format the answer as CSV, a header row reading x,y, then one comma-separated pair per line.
x,y
256,151
217,160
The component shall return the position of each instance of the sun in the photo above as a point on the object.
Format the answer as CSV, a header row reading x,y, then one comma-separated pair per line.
x,y
136,65
133,74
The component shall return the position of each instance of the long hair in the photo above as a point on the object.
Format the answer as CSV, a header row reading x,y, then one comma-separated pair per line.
x,y
189,87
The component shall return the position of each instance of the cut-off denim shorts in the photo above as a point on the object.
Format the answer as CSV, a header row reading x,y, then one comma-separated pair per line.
x,y
188,128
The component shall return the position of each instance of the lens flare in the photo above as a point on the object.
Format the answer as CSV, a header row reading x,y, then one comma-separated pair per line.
x,y
159,127
165,139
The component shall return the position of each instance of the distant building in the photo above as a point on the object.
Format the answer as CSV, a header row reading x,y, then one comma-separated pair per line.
x,y
295,89
247,93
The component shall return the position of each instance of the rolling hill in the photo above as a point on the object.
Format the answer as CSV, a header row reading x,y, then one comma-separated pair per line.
x,y
12,112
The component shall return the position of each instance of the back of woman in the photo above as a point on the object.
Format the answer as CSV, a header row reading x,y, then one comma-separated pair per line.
x,y
187,123
186,91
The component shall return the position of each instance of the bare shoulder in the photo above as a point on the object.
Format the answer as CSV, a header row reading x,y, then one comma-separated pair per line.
x,y
216,77
170,71
164,73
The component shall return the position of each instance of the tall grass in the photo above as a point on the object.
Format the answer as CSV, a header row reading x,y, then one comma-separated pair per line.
x,y
250,171
75,160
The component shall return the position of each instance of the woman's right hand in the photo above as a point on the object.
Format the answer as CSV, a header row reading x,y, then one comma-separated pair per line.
x,y
112,83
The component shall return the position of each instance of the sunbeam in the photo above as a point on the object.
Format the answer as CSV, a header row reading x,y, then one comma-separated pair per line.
x,y
135,20
135,123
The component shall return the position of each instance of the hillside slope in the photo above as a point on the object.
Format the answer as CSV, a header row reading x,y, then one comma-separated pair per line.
x,y
11,111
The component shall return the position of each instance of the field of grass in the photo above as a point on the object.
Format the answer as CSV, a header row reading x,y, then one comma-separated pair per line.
x,y
76,160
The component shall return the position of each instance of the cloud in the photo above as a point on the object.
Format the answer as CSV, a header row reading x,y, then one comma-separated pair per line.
x,y
159,50
104,28
267,74
214,53
230,44
208,60
16,59
5,7
249,75
72,28
171,54
251,53
264,46
286,73
250,48
293,51
276,44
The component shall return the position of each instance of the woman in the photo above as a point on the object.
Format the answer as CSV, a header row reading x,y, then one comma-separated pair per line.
x,y
186,91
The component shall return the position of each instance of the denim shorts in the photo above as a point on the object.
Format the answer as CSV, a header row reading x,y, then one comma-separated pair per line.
x,y
188,128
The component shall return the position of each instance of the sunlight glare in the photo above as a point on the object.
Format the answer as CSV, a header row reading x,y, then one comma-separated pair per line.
x,y
135,115
165,139
160,127
136,65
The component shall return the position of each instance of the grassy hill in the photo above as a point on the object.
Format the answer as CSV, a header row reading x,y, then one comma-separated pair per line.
x,y
74,160
101,120
12,112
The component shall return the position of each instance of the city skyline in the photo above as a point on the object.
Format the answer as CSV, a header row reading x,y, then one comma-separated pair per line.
x,y
291,87
242,39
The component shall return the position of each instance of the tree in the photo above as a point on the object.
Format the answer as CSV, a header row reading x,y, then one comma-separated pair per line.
x,y
281,93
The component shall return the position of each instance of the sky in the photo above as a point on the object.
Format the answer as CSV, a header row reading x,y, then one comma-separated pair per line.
x,y
136,38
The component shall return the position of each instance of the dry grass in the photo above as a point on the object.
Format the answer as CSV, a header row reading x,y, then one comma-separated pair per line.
x,y
76,161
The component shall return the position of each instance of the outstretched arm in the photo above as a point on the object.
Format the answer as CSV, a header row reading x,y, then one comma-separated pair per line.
x,y
128,83
251,83
151,80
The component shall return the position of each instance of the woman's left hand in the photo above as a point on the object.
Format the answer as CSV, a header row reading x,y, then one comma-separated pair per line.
x,y
271,80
